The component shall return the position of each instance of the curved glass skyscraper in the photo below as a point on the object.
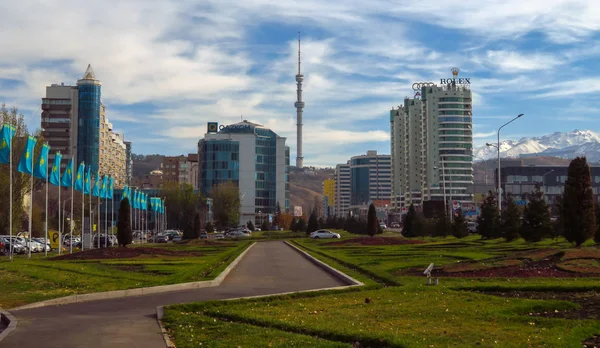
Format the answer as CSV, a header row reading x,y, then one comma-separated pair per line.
x,y
88,139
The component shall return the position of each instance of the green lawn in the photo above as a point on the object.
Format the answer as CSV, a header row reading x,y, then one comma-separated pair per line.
x,y
403,313
25,281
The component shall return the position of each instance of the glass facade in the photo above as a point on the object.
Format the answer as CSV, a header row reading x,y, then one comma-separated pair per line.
x,y
266,171
359,192
219,161
88,140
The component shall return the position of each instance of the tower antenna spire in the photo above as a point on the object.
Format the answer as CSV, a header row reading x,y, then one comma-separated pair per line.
x,y
299,105
298,53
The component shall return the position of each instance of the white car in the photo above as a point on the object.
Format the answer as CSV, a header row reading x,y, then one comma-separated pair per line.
x,y
322,234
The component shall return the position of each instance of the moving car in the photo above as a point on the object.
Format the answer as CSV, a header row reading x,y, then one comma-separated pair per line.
x,y
322,234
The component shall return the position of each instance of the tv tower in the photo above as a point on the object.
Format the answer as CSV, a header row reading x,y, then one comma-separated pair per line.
x,y
299,104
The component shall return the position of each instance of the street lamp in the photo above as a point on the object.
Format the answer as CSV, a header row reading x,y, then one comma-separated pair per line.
x,y
544,181
498,148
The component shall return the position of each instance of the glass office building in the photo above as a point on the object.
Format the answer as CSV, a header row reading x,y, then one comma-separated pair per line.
x,y
255,159
88,139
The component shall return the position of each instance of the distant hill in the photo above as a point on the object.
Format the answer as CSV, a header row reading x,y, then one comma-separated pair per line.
x,y
307,184
144,164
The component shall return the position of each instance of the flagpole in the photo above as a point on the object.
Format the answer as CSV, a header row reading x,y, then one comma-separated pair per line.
x,y
112,214
72,199
90,212
82,211
60,244
98,226
46,227
10,149
30,212
105,223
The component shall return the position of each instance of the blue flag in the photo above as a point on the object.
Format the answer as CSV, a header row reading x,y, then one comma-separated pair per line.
x,y
111,188
80,177
145,202
152,203
26,162
103,187
55,173
88,182
67,179
96,190
40,170
6,134
124,194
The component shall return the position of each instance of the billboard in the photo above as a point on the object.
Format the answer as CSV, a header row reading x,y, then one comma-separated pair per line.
x,y
297,211
470,209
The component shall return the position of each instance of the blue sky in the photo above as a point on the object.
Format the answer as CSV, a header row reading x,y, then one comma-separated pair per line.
x,y
168,68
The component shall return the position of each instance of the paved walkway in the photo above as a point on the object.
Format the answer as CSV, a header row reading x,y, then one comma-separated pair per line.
x,y
267,268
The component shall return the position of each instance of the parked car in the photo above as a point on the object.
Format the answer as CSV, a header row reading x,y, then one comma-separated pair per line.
x,y
395,225
219,236
159,238
321,234
236,234
203,235
383,226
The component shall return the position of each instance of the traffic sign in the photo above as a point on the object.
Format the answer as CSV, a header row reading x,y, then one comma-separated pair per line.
x,y
54,239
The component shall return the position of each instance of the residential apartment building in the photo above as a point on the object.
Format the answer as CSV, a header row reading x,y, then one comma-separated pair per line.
x,y
328,197
342,190
181,169
432,144
370,180
255,159
74,123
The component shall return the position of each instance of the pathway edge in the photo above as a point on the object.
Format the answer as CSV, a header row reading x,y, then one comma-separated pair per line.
x,y
105,295
6,316
159,315
334,272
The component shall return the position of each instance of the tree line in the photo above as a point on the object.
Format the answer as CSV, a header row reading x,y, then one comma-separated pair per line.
x,y
576,215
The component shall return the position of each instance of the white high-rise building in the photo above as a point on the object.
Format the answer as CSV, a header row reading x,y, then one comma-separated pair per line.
x,y
342,190
432,144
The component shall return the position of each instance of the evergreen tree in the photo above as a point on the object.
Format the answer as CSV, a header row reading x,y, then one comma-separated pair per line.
x,y
408,222
250,225
301,225
321,223
209,227
559,213
372,222
510,223
442,224
265,226
488,223
294,225
124,233
536,219
459,226
597,236
197,225
578,203
313,223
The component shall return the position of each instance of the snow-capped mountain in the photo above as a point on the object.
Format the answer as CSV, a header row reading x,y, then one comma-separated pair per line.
x,y
557,144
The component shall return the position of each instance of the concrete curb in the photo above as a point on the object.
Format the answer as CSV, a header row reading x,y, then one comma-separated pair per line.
x,y
138,291
6,317
334,272
159,315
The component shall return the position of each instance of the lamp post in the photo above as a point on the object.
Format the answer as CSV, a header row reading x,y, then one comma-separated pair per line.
x,y
63,224
498,148
544,182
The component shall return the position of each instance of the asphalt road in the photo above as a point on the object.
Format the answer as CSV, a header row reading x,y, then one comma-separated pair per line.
x,y
267,268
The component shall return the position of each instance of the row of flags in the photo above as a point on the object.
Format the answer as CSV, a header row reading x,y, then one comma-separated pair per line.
x,y
140,200
103,187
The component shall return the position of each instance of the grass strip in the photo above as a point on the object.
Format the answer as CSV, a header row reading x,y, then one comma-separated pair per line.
x,y
385,281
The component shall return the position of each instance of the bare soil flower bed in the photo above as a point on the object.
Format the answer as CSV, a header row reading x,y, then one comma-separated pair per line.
x,y
123,253
376,241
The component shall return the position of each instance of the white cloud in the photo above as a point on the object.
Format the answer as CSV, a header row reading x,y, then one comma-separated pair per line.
x,y
515,62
